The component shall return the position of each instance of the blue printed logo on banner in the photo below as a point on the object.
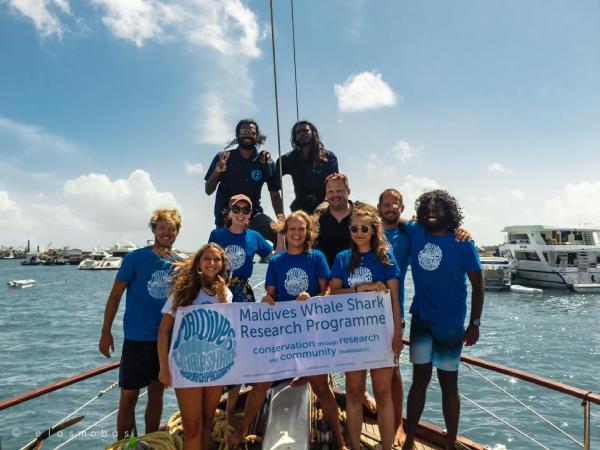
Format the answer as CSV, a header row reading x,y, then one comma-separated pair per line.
x,y
256,175
205,348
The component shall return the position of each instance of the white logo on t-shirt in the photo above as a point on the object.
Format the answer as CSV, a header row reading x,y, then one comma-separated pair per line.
x,y
236,256
296,281
159,284
430,257
361,275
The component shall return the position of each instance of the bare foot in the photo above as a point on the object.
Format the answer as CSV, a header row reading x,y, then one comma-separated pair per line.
x,y
299,381
369,403
399,438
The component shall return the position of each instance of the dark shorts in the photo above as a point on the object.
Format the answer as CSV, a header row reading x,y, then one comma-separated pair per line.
x,y
241,290
139,364
433,343
262,223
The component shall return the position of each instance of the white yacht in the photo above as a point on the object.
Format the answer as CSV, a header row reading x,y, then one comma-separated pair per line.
x,y
20,284
118,251
497,272
92,259
555,256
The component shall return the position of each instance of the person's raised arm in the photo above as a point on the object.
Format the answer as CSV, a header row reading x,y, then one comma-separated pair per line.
x,y
221,166
477,295
107,344
276,201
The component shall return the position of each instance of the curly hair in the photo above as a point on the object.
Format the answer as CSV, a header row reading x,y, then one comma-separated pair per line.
x,y
171,216
317,149
312,227
378,242
189,280
441,198
260,138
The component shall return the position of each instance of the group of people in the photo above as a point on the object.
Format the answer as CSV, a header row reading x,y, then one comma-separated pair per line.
x,y
327,245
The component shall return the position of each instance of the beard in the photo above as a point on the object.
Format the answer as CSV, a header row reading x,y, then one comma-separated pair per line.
x,y
440,225
247,143
387,220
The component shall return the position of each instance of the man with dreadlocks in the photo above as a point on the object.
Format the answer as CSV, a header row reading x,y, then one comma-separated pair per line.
x,y
440,266
243,170
309,164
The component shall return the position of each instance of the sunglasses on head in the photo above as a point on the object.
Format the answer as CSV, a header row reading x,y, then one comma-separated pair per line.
x,y
334,176
241,209
363,228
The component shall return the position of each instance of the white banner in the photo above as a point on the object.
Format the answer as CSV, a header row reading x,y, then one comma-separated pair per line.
x,y
248,342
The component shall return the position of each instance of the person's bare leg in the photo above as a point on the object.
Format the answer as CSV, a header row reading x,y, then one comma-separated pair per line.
x,y
369,402
397,397
210,402
382,388
190,406
232,398
154,406
355,390
450,404
416,401
320,387
126,413
255,399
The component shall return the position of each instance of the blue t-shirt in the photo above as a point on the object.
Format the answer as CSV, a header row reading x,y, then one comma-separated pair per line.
x,y
439,269
240,249
148,279
293,274
400,243
370,270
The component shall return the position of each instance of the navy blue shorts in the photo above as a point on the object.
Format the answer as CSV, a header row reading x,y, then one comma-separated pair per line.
x,y
139,364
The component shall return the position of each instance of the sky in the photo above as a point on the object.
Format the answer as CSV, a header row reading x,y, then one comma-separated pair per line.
x,y
112,108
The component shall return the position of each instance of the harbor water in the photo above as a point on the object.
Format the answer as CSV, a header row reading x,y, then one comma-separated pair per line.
x,y
50,331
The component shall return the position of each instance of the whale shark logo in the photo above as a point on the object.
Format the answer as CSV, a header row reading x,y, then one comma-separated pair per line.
x,y
205,347
159,284
430,257
236,256
296,281
360,275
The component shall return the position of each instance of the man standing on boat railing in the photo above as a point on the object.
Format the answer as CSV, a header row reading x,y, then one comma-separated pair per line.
x,y
309,164
440,266
146,275
244,170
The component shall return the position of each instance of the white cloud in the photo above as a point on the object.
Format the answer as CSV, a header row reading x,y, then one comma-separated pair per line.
x,y
403,151
44,14
36,139
213,125
138,20
118,204
516,193
497,167
197,168
11,215
364,91
578,203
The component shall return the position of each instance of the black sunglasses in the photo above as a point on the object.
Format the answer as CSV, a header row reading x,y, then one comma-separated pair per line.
x,y
243,209
363,228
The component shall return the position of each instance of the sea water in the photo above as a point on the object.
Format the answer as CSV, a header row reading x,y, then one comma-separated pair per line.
x,y
50,331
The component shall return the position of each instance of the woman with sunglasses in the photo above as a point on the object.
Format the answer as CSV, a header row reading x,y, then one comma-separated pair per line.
x,y
296,274
240,244
369,266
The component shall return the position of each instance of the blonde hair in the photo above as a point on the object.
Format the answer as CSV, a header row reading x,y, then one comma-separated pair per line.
x,y
189,280
312,227
171,216
378,242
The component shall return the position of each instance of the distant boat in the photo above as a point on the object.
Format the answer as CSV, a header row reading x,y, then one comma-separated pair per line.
x,y
31,259
92,259
554,256
19,284
10,255
497,272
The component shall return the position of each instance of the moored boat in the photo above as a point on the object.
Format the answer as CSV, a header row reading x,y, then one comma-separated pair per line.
x,y
555,256
497,272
